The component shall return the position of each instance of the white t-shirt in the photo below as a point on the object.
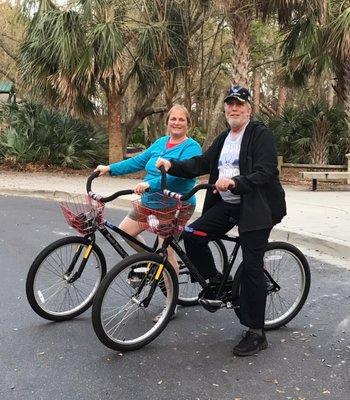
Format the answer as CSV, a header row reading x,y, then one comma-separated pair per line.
x,y
229,163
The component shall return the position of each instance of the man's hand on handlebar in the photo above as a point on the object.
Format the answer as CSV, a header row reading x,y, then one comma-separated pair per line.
x,y
165,163
141,188
224,184
102,169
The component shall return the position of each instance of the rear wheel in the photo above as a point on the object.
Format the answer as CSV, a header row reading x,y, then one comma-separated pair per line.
x,y
125,311
290,270
188,290
51,292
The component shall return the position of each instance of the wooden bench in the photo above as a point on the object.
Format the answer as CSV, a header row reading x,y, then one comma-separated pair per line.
x,y
324,176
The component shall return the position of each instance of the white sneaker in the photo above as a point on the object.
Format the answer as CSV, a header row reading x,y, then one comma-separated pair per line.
x,y
159,316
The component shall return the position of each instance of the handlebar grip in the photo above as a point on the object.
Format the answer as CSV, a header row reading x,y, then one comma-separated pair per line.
x,y
163,179
90,179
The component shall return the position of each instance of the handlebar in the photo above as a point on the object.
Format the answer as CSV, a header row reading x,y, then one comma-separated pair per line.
x,y
100,198
165,191
178,196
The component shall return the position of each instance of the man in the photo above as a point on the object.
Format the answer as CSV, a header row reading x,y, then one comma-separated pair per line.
x,y
242,163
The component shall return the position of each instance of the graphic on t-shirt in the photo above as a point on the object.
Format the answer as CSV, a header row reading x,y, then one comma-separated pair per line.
x,y
229,162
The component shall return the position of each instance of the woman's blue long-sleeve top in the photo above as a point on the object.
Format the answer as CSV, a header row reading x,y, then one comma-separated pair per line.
x,y
147,160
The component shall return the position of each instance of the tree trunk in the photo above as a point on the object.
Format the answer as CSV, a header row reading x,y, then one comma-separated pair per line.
x,y
188,101
282,98
142,111
214,122
115,145
346,89
320,141
239,18
256,90
330,94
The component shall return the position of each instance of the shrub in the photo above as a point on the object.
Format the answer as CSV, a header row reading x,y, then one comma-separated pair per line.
x,y
294,132
35,134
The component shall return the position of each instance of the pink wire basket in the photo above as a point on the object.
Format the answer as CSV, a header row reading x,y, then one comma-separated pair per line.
x,y
83,213
161,215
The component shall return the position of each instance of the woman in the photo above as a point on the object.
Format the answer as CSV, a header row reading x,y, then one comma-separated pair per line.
x,y
175,145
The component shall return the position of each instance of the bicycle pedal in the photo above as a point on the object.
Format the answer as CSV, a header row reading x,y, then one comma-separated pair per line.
x,y
211,305
232,305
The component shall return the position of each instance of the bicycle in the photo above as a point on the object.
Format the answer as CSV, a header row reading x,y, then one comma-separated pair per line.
x,y
123,314
65,276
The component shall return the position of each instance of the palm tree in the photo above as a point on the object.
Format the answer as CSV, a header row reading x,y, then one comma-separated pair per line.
x,y
86,55
337,44
314,47
241,14
70,56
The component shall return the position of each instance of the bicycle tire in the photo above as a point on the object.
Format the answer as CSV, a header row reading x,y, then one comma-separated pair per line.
x,y
50,265
188,291
134,323
279,255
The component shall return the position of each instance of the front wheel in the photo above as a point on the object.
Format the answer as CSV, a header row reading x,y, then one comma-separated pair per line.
x,y
134,302
52,291
289,269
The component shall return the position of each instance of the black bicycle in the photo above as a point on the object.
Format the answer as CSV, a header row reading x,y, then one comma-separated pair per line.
x,y
144,285
63,279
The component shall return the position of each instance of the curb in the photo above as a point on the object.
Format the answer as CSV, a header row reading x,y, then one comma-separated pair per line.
x,y
319,245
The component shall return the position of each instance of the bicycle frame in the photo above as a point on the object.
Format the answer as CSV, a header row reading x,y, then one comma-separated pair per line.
x,y
113,242
173,243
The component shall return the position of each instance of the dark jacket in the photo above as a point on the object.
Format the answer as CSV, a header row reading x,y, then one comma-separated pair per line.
x,y
262,196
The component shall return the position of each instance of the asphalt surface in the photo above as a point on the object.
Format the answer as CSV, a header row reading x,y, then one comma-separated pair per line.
x,y
191,359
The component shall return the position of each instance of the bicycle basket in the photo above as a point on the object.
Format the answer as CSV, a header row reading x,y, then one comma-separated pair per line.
x,y
160,214
83,213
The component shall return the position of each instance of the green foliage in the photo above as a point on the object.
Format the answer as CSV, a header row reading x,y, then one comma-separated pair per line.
x,y
197,134
294,132
138,137
35,134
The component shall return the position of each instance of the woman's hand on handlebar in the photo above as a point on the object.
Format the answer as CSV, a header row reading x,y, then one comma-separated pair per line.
x,y
141,188
102,169
165,163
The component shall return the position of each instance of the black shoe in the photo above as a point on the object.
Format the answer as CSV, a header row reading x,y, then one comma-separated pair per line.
x,y
250,344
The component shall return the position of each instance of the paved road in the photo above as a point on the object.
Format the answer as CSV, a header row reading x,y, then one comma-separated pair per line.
x,y
192,358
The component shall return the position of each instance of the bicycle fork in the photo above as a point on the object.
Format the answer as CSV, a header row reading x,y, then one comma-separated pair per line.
x,y
155,278
77,274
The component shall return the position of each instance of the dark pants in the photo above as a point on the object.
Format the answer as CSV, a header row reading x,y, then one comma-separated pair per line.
x,y
220,219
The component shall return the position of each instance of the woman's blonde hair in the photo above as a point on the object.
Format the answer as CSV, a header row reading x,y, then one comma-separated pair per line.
x,y
179,107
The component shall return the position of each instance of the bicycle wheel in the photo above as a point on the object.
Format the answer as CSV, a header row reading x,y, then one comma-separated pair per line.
x,y
289,268
121,317
188,291
48,291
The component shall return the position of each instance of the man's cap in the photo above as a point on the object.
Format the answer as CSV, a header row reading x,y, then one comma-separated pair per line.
x,y
238,92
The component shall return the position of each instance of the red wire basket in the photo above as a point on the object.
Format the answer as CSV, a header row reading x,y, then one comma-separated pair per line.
x,y
160,214
83,213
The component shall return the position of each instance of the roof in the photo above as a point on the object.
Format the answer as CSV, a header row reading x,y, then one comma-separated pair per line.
x,y
6,87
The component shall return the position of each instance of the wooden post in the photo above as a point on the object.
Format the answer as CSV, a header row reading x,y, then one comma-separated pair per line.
x,y
279,164
348,157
